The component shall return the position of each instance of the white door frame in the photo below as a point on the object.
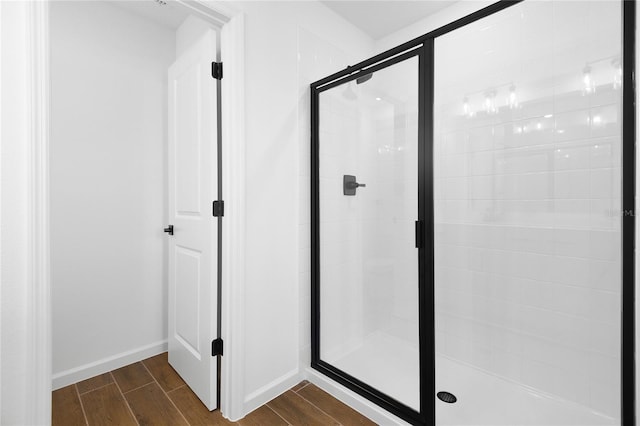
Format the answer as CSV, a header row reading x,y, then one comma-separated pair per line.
x,y
233,228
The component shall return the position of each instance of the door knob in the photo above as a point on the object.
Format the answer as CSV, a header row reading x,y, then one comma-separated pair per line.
x,y
169,230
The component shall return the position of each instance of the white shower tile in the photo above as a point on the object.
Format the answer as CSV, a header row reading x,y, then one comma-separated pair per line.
x,y
605,245
538,375
605,152
481,163
605,214
604,183
605,121
503,136
481,357
533,266
572,125
567,101
605,338
537,213
605,397
455,188
572,331
498,261
481,187
570,359
572,155
507,364
605,275
454,165
571,242
304,236
572,213
572,300
529,239
604,96
603,368
537,322
572,184
480,139
538,294
572,385
535,186
528,160
605,306
501,287
570,271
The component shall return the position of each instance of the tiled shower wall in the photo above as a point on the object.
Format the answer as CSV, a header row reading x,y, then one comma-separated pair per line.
x,y
341,291
527,209
368,255
318,58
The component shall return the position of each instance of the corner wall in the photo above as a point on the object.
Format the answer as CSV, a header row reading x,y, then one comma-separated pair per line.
x,y
276,306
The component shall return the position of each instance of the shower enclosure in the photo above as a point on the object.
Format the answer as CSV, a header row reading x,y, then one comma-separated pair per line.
x,y
473,220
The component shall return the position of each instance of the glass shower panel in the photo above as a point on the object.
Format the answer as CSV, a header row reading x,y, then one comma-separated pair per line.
x,y
527,140
368,134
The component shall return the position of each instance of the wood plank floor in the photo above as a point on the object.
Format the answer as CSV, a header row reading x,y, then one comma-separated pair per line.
x,y
150,392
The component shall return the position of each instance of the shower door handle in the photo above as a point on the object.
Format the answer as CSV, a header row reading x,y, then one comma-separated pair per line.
x,y
418,234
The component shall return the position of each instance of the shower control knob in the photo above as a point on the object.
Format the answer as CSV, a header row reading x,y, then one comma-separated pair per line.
x,y
349,185
354,185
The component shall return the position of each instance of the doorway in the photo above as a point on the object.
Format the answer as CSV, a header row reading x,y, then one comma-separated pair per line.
x,y
109,180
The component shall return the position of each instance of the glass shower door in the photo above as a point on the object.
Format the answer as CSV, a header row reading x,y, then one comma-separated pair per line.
x,y
367,205
527,175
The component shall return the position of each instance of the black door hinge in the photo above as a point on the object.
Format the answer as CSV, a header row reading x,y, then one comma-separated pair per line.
x,y
216,347
216,70
218,208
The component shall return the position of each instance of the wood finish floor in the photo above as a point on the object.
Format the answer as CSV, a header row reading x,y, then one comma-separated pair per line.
x,y
150,392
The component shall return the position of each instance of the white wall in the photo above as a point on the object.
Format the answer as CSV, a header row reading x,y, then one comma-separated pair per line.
x,y
189,32
108,165
457,10
14,219
275,311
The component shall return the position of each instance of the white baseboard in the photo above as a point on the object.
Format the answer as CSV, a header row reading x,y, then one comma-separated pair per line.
x,y
75,375
353,400
271,390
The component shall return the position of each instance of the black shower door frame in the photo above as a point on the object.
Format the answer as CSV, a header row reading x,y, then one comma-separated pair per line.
x,y
423,47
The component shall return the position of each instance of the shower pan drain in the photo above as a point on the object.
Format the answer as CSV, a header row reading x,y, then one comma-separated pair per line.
x,y
447,397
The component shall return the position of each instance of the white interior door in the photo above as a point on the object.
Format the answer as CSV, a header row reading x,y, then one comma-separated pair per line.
x,y
193,249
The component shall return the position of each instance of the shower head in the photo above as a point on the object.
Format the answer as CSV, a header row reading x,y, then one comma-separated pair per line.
x,y
364,78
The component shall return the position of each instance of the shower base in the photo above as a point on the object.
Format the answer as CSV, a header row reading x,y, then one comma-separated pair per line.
x,y
482,398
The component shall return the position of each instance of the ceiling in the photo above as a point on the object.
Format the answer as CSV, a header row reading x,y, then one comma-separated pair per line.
x,y
379,18
163,12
